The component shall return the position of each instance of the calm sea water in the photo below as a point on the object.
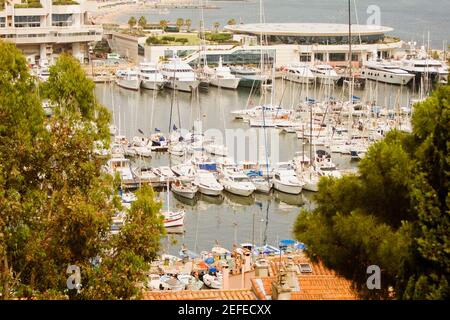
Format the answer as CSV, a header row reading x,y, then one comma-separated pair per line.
x,y
228,219
411,19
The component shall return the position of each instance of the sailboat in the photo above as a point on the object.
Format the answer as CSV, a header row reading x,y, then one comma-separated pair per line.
x,y
172,218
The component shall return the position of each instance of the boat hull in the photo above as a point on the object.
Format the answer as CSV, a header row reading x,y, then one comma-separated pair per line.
x,y
209,192
238,191
152,85
128,84
185,86
226,83
185,194
290,189
386,77
299,78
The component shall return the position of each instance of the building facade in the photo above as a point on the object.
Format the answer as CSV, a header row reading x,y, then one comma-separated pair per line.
x,y
286,44
318,42
43,29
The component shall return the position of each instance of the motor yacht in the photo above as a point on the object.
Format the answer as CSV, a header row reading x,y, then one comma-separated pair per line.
x,y
236,182
300,73
285,179
128,79
150,76
179,75
325,74
207,183
184,188
221,76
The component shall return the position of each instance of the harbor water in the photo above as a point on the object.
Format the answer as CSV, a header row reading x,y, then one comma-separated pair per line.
x,y
230,219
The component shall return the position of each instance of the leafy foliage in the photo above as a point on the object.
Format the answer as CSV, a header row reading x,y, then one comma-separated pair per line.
x,y
56,203
394,213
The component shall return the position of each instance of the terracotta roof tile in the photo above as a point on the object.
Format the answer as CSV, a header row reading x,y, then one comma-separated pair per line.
x,y
200,295
320,284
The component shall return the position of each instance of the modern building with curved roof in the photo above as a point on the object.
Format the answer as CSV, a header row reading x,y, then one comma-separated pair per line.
x,y
290,43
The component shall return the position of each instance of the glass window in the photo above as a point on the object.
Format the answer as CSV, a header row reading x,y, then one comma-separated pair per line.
x,y
305,57
337,57
2,22
62,20
27,21
319,56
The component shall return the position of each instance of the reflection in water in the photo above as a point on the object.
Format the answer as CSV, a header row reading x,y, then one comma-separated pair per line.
x,y
235,199
290,199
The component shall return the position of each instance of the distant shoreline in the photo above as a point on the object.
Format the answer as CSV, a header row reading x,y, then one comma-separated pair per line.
x,y
107,14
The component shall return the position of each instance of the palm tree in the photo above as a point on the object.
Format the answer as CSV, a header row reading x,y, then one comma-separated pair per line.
x,y
216,26
163,24
142,22
180,23
188,24
231,22
132,22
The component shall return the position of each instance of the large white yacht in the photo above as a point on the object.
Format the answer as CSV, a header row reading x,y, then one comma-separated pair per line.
x,y
221,76
150,77
382,71
325,74
300,72
128,79
421,64
179,75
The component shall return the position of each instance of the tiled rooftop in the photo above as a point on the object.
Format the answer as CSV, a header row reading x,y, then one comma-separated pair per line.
x,y
311,288
244,294
297,259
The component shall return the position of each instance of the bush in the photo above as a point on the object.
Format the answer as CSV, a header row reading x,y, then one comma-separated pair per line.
x,y
182,40
218,37
28,4
64,2
168,38
155,40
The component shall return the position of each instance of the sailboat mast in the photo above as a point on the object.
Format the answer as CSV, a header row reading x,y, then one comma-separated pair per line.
x,y
350,49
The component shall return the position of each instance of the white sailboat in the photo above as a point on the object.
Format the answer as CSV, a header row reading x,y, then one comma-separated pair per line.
x,y
172,218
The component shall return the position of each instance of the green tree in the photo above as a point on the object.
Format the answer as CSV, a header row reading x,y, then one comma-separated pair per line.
x,y
163,24
216,26
179,23
56,202
142,22
394,213
132,22
188,24
231,22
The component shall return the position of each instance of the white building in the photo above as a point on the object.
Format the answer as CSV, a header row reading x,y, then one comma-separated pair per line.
x,y
46,28
288,43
